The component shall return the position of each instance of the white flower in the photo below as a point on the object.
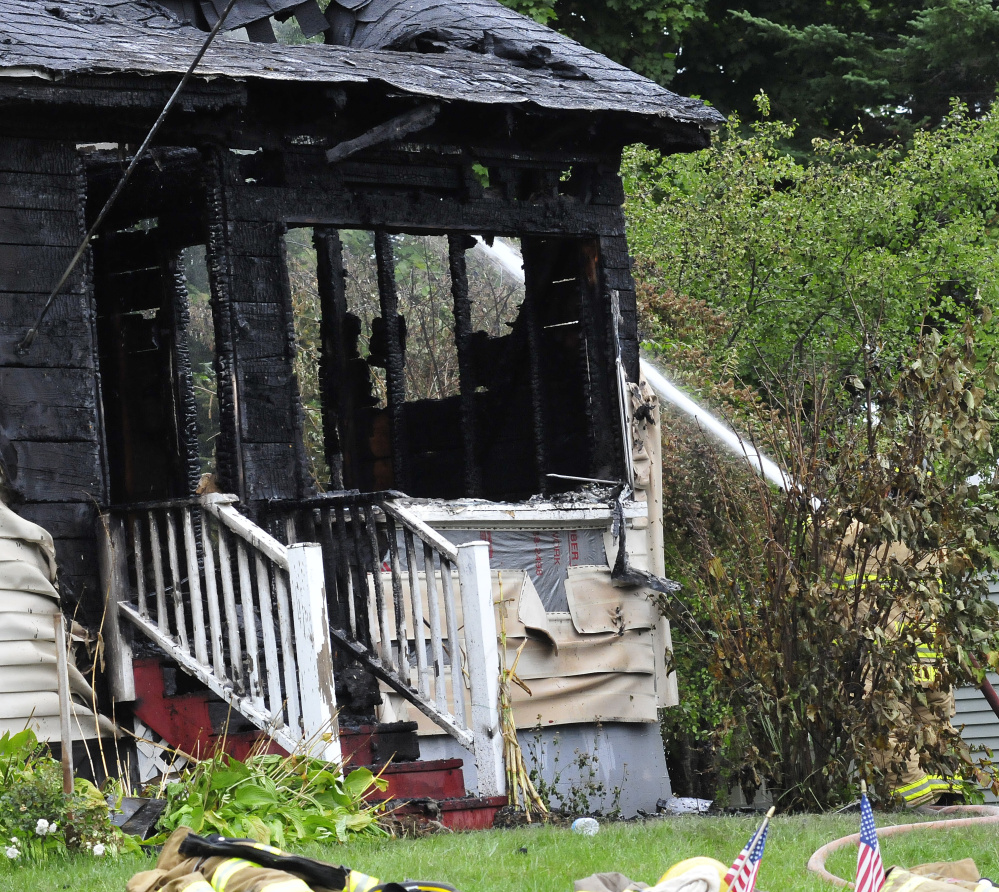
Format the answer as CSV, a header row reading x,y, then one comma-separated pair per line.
x,y
98,849
53,827
42,827
13,839
13,852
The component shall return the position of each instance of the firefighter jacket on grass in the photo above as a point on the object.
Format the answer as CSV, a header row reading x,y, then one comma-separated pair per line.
x,y
191,863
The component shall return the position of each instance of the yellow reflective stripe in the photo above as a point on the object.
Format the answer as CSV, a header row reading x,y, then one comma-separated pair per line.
x,y
224,872
265,848
359,882
292,884
923,787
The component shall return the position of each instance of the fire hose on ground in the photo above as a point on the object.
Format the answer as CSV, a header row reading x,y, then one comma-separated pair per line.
x,y
988,814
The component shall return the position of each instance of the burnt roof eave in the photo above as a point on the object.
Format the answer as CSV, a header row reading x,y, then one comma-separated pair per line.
x,y
619,128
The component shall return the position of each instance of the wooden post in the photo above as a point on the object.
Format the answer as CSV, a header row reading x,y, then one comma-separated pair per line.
x,y
482,648
113,566
457,244
65,717
395,360
313,651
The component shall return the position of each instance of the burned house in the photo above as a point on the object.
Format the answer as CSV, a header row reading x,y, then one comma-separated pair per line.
x,y
354,535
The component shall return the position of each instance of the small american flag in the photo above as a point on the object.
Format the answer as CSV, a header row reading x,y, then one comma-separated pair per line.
x,y
870,869
741,876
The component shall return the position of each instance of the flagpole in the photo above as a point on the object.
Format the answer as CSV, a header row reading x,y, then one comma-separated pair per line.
x,y
766,820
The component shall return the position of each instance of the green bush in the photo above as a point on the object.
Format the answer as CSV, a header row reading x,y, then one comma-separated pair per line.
x,y
38,820
273,799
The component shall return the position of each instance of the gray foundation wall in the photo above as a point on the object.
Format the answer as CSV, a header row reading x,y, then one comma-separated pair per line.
x,y
614,755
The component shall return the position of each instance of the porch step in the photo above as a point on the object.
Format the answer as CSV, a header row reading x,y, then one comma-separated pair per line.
x,y
464,813
438,779
196,722
377,744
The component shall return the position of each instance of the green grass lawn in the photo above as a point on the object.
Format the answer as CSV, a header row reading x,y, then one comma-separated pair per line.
x,y
493,861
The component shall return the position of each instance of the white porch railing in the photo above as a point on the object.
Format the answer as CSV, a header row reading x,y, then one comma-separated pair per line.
x,y
235,608
390,580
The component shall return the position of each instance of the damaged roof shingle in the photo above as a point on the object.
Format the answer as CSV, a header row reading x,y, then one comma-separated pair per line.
x,y
61,38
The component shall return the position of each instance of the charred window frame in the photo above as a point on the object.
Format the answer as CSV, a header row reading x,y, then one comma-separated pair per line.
x,y
536,401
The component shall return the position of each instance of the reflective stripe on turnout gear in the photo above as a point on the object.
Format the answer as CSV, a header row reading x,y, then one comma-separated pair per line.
x,y
928,785
224,872
233,866
360,882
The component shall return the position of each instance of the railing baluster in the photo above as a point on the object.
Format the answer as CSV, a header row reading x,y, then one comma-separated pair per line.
x,y
381,608
362,629
399,606
433,608
329,569
194,587
156,549
231,616
140,566
212,594
249,625
419,628
272,670
177,595
289,664
308,519
453,642
343,574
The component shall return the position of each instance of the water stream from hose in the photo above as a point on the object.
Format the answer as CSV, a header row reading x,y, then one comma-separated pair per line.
x,y
502,254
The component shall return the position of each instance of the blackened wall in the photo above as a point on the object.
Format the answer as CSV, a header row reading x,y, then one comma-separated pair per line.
x,y
49,403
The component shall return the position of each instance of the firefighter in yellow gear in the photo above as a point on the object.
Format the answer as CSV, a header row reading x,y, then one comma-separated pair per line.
x,y
910,783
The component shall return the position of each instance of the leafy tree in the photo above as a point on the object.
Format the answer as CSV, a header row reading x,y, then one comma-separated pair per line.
x,y
840,310
889,67
815,668
852,250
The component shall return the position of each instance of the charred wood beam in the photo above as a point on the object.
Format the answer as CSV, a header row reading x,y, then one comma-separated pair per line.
x,y
529,313
145,93
305,483
457,245
228,448
413,211
395,128
332,352
187,421
599,361
395,360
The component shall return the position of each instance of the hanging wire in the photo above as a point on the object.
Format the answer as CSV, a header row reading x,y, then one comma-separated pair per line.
x,y
32,333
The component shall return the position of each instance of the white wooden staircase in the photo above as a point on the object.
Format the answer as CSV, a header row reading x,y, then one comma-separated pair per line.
x,y
256,620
